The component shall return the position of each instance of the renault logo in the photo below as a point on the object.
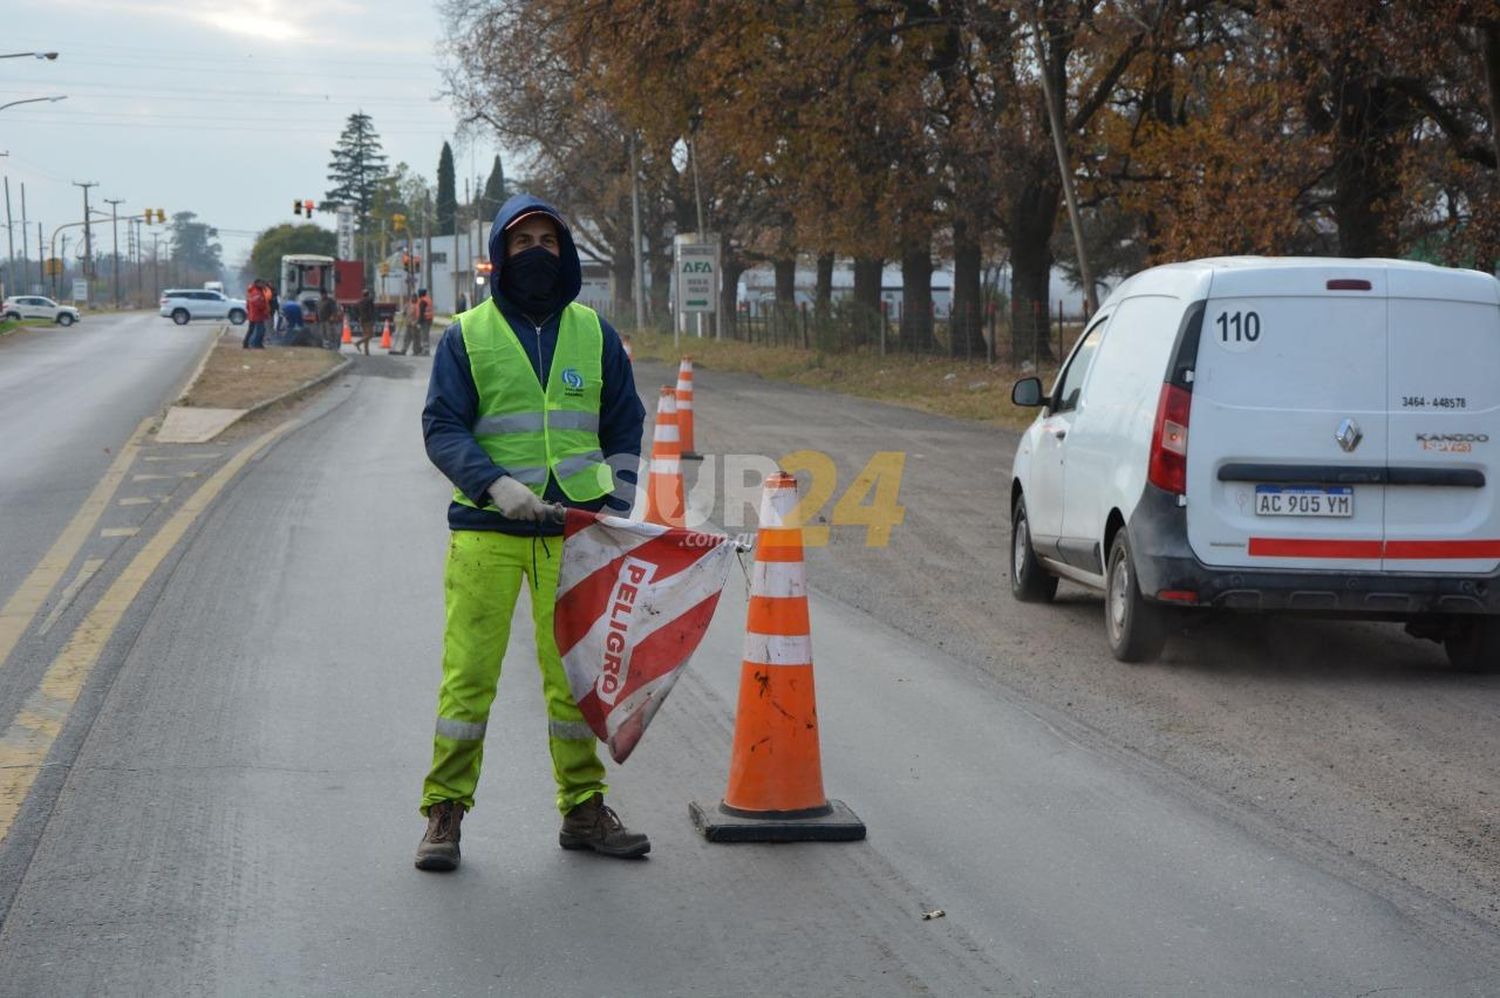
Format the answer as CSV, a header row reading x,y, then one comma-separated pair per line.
x,y
1349,435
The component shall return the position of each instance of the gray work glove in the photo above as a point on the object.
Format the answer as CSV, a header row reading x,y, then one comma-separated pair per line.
x,y
516,501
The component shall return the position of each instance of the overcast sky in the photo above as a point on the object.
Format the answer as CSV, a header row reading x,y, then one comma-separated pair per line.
x,y
225,109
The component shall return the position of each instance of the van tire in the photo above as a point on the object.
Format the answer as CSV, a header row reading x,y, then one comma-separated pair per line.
x,y
1473,644
1029,581
1136,628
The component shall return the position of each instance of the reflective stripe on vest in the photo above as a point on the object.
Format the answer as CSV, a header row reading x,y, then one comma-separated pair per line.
x,y
526,429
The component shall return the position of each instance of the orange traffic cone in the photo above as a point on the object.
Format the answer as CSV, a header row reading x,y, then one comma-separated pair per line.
x,y
664,502
348,336
385,336
775,789
685,409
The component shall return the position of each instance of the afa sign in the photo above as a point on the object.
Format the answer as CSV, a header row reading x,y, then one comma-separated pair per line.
x,y
698,276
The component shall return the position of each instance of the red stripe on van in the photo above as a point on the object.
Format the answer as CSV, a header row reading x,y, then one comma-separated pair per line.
x,y
1442,549
1305,547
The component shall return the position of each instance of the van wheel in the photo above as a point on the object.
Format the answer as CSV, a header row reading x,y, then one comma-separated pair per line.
x,y
1137,629
1029,581
1473,645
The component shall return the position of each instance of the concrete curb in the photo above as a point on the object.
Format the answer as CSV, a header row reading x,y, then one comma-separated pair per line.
x,y
327,375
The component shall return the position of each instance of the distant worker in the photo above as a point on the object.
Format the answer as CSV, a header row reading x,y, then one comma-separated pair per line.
x,y
291,313
366,316
531,401
423,324
273,303
405,319
328,321
257,311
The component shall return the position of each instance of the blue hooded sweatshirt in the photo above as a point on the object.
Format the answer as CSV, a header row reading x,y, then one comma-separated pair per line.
x,y
452,406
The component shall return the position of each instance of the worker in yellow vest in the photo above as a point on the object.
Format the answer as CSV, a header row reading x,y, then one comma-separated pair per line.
x,y
531,404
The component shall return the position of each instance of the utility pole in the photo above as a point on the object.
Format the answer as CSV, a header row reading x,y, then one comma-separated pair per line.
x,y
25,267
1065,172
427,244
10,241
140,291
155,265
635,226
114,220
41,265
88,235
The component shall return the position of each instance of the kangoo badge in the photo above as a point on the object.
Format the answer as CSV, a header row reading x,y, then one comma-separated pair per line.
x,y
572,378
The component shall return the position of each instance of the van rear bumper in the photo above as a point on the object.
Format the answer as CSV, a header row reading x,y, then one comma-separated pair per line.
x,y
1164,562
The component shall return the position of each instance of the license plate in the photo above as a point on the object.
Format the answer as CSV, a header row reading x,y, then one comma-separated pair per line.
x,y
1279,500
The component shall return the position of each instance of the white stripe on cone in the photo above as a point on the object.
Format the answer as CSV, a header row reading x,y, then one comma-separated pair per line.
x,y
778,649
780,579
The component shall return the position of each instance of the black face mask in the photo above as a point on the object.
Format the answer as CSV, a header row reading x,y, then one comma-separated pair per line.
x,y
530,279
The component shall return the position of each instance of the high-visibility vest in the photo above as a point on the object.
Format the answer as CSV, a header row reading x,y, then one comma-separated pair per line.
x,y
530,431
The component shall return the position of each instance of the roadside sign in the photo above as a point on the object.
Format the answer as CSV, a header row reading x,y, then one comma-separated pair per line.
x,y
80,289
54,266
698,276
346,232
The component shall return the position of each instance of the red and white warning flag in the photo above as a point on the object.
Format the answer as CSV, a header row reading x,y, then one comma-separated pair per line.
x,y
633,601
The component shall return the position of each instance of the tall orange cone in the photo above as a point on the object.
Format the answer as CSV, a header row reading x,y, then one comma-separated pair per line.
x,y
664,502
685,409
775,791
385,336
348,336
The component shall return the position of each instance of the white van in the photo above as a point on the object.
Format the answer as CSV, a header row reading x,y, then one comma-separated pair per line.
x,y
1257,434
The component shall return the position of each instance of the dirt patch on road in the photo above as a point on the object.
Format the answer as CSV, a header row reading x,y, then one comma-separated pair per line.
x,y
236,378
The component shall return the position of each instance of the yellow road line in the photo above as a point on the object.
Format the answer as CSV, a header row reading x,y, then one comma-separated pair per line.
x,y
90,566
27,600
25,744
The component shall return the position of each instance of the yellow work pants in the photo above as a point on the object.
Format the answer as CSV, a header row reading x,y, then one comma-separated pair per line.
x,y
484,576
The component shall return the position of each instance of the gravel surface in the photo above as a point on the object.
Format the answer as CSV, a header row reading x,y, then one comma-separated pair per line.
x,y
1352,738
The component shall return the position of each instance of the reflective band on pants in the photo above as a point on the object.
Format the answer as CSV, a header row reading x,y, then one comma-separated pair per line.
x,y
571,730
463,731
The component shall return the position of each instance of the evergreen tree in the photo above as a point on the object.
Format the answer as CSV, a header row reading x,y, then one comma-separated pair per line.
x,y
494,192
357,166
447,193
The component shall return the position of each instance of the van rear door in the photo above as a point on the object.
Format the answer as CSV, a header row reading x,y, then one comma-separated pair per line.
x,y
1441,513
1287,437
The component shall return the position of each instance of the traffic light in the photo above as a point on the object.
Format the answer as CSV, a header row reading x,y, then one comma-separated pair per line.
x,y
309,206
154,215
483,267
398,222
297,207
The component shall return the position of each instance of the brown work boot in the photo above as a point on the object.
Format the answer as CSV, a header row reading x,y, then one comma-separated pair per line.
x,y
439,849
592,825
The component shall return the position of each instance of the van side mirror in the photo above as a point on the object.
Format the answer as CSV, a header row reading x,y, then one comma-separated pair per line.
x,y
1028,392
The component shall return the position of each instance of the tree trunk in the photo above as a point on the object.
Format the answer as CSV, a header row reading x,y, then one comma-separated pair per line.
x,y
622,276
823,293
1033,216
966,320
786,281
1367,193
916,294
660,267
733,267
865,311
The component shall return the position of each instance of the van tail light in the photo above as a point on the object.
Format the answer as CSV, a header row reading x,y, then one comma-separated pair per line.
x,y
1169,440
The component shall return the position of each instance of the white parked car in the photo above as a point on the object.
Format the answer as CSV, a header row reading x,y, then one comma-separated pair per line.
x,y
39,307
1300,435
186,304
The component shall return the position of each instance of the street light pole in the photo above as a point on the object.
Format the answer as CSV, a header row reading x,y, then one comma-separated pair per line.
x,y
88,232
114,219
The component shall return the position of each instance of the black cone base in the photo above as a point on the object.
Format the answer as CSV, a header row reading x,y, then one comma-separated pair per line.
x,y
718,825
691,456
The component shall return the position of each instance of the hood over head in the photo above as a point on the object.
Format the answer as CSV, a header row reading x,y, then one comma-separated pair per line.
x,y
570,275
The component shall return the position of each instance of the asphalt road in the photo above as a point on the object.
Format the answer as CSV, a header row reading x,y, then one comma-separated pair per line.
x,y
229,803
